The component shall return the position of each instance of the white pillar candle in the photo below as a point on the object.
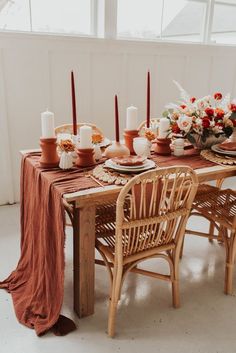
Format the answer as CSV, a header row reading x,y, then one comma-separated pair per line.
x,y
47,124
85,137
132,118
164,126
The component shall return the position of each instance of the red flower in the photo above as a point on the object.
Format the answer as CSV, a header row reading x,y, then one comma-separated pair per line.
x,y
205,123
219,113
183,106
232,107
218,96
192,100
234,122
175,129
220,124
209,111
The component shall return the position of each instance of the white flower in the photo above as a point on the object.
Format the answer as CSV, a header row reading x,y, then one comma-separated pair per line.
x,y
185,123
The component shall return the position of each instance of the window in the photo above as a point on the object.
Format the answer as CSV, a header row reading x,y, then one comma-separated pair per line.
x,y
224,22
208,21
14,15
139,18
180,20
183,20
52,16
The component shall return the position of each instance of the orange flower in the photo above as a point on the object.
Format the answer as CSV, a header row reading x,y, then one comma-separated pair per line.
x,y
97,138
219,113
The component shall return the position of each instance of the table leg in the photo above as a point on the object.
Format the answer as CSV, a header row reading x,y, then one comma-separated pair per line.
x,y
219,183
84,257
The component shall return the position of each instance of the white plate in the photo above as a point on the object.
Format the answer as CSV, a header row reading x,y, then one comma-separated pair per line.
x,y
131,167
120,168
217,149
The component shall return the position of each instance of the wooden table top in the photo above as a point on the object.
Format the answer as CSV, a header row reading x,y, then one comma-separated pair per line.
x,y
97,194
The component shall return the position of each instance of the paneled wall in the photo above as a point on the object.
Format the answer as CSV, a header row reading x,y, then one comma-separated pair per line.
x,y
35,75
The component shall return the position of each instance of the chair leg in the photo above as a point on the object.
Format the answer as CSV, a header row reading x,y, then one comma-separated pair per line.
x,y
175,294
182,249
115,295
175,280
211,231
230,244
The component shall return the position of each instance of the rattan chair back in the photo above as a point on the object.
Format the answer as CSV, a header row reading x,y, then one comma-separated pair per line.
x,y
153,208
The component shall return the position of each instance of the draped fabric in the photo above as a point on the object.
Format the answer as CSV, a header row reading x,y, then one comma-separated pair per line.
x,y
37,284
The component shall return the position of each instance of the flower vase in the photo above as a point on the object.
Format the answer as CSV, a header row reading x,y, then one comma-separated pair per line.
x,y
97,152
210,141
66,160
233,136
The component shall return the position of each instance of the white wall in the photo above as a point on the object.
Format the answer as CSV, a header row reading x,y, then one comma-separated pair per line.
x,y
35,74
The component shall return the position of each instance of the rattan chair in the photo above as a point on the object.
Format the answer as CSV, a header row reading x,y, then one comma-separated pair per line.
x,y
154,121
68,128
218,206
151,214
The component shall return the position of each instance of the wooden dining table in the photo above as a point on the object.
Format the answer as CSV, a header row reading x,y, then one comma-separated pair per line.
x,y
81,206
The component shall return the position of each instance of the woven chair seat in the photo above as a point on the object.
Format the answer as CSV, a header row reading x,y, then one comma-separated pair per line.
x,y
105,222
216,204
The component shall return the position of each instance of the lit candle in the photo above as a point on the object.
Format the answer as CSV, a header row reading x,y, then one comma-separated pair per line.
x,y
131,118
148,100
73,104
47,124
85,137
164,126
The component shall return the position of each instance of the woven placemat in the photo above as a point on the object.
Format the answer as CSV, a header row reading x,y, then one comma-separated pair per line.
x,y
109,176
218,159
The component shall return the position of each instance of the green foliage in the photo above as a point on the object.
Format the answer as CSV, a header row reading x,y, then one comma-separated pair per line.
x,y
191,138
165,114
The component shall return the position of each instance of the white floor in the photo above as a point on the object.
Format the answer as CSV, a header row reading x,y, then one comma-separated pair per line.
x,y
206,321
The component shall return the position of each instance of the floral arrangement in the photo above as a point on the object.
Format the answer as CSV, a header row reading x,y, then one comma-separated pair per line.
x,y
97,138
66,146
149,135
204,117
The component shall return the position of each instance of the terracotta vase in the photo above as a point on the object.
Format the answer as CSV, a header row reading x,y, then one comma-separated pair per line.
x,y
163,146
129,135
49,157
85,157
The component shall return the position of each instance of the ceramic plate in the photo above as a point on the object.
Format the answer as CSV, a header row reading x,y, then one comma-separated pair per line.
x,y
148,164
217,149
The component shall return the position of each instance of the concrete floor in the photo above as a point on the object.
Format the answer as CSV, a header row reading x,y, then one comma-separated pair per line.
x,y
206,321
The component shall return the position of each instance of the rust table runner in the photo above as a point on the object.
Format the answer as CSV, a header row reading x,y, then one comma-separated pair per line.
x,y
191,158
37,283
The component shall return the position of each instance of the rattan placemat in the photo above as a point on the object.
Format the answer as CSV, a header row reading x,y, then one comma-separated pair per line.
x,y
110,176
217,158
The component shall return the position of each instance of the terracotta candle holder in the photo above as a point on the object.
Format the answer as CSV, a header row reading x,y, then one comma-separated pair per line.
x,y
116,150
163,146
49,157
129,135
85,157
